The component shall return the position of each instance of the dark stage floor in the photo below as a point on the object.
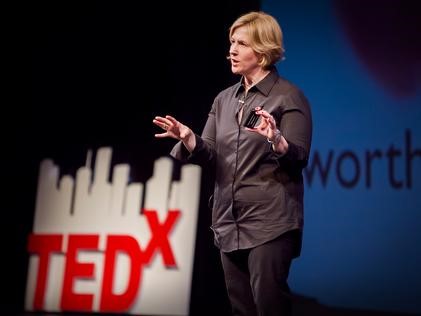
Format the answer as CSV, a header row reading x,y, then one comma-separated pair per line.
x,y
301,307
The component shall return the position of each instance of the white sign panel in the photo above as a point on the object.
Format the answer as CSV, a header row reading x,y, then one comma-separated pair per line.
x,y
94,249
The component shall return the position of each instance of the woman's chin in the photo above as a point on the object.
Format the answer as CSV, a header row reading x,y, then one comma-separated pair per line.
x,y
235,70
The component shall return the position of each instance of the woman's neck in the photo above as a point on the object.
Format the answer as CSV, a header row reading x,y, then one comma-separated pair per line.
x,y
251,80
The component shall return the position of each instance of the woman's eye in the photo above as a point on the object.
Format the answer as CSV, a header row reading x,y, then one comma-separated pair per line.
x,y
240,43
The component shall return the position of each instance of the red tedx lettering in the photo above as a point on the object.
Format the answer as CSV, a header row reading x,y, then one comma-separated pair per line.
x,y
160,236
71,300
43,245
111,302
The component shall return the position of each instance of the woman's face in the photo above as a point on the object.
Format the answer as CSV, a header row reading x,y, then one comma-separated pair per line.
x,y
244,60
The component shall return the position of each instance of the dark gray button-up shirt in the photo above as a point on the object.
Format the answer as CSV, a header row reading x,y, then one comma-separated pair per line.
x,y
258,193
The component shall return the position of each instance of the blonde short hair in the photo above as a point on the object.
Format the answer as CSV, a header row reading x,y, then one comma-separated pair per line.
x,y
265,35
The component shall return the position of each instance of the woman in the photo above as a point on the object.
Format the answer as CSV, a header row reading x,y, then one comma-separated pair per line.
x,y
257,215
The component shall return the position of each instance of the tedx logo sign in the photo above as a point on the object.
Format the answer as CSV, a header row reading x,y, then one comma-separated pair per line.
x,y
94,249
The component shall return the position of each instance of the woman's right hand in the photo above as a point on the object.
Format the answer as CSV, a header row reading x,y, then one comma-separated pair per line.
x,y
177,130
172,127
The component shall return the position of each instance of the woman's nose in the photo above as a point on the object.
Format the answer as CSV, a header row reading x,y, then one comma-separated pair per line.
x,y
233,48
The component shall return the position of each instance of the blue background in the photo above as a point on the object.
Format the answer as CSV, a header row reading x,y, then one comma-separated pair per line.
x,y
361,243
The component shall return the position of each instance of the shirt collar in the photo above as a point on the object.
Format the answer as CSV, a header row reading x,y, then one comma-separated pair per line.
x,y
264,86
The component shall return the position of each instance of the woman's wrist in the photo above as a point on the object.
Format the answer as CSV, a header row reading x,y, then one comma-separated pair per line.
x,y
278,143
276,138
189,140
186,134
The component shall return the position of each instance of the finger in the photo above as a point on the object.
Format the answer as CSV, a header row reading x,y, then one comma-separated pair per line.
x,y
264,122
162,120
270,120
171,119
263,113
157,122
159,118
251,129
161,135
161,124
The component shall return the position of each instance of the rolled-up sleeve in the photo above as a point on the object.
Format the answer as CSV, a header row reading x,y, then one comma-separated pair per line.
x,y
296,127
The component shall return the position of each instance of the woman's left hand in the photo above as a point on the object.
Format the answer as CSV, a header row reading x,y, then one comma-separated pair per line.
x,y
267,126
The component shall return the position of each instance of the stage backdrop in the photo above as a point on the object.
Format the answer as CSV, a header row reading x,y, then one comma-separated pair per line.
x,y
358,63
99,72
